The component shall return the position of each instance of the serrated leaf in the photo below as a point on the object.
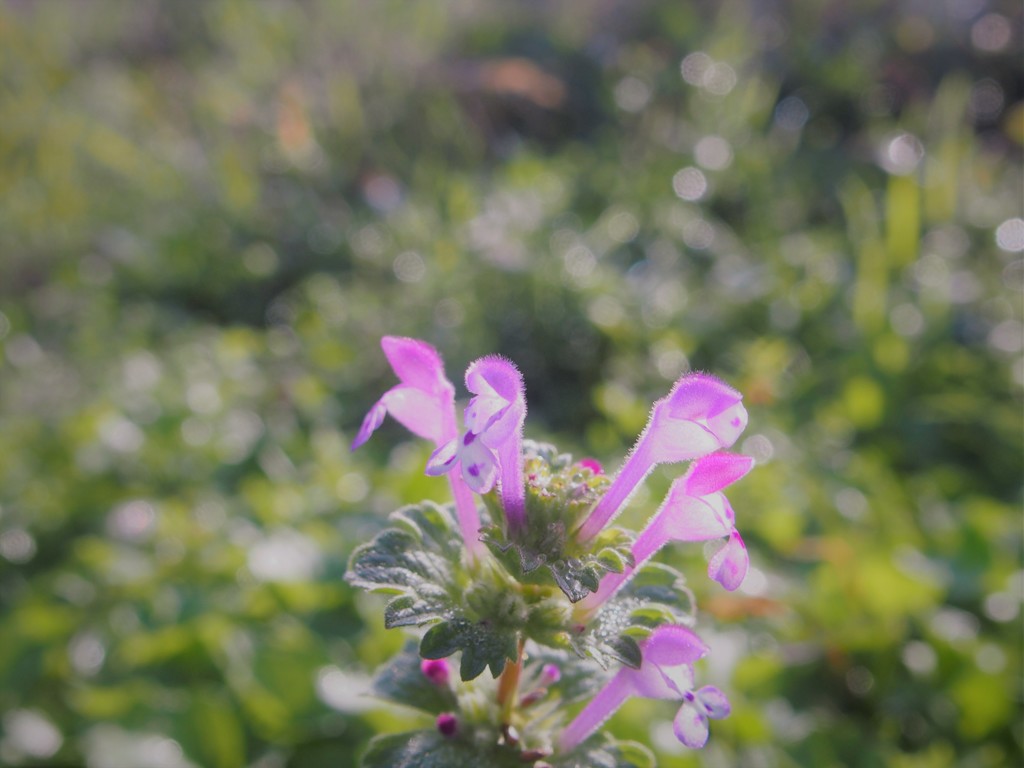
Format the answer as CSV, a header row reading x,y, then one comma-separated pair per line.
x,y
606,752
482,646
402,681
656,595
407,611
661,584
420,749
418,560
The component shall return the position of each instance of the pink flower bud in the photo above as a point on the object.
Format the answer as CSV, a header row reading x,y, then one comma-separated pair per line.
x,y
447,724
436,671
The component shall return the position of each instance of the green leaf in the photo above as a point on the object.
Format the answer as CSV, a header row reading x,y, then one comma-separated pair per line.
x,y
656,595
606,752
402,682
420,749
625,649
482,645
418,560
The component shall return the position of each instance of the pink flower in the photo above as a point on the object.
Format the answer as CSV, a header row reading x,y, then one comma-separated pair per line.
x,y
699,415
666,672
490,450
424,403
695,509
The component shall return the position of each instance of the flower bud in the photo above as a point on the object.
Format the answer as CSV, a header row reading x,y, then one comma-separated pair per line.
x,y
447,724
436,671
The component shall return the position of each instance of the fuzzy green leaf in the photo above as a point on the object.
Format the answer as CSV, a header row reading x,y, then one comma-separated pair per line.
x,y
419,560
605,752
420,749
402,682
482,646
656,595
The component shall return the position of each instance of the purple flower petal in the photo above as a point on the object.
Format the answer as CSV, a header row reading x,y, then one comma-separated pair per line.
x,y
498,409
691,725
699,416
416,363
729,565
714,701
700,396
479,467
418,411
371,422
673,644
666,669
685,518
592,716
715,471
443,459
496,414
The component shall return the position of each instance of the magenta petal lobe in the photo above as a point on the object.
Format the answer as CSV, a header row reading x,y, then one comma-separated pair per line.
x,y
416,363
443,459
371,422
729,565
714,701
418,411
715,471
479,467
691,725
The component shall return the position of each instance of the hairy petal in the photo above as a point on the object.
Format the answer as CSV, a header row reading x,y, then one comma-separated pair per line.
x,y
700,396
416,363
597,711
499,408
714,472
699,416
673,644
686,518
497,413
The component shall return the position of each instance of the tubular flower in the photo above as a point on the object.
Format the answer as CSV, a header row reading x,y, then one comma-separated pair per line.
x,y
695,509
666,672
424,403
699,415
490,450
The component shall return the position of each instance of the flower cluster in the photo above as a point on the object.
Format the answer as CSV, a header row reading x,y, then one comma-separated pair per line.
x,y
541,582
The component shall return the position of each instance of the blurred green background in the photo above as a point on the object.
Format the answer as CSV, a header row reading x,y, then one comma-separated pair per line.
x,y
211,211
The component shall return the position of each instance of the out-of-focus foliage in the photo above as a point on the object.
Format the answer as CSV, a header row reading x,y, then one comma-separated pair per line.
x,y
210,212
